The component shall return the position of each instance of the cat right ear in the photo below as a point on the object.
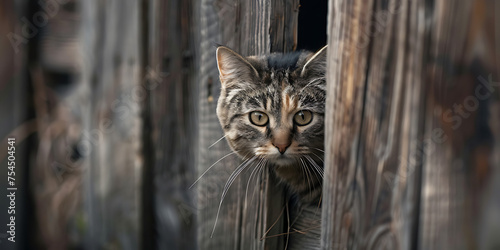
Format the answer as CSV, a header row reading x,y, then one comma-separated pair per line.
x,y
316,63
233,68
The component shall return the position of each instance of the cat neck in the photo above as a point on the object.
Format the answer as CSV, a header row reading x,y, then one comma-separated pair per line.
x,y
301,180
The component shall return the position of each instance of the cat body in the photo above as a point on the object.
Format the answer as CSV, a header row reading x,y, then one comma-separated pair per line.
x,y
271,109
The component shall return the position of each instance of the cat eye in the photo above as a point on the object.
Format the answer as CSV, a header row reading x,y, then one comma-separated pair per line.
x,y
303,117
259,118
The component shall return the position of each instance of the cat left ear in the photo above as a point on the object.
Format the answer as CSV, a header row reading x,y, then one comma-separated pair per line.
x,y
316,63
233,68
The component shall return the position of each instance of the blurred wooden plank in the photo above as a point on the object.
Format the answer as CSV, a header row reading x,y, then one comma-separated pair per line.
x,y
489,211
112,78
489,216
457,170
56,176
399,169
171,75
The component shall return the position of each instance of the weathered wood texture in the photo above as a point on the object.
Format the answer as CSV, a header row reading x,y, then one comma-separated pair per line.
x,y
56,176
119,98
85,169
106,110
112,83
410,139
172,85
249,27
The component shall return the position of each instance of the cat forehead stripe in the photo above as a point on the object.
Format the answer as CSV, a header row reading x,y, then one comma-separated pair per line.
x,y
283,61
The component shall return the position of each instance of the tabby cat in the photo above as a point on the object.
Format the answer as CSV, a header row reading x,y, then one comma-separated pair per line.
x,y
271,109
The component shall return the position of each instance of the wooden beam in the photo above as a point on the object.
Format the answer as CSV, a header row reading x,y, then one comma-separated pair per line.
x,y
113,92
171,112
399,161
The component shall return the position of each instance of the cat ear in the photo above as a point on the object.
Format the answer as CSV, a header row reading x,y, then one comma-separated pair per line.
x,y
316,63
233,68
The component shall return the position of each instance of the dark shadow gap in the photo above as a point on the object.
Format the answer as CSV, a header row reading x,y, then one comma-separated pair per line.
x,y
312,25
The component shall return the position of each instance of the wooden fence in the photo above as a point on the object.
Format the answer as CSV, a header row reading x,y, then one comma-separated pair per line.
x,y
413,125
112,104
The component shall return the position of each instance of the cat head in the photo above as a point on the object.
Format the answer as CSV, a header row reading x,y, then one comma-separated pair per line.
x,y
273,106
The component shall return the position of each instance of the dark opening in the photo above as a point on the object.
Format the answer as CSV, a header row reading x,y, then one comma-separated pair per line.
x,y
312,25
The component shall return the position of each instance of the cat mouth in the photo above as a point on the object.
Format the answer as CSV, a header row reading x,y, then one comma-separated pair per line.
x,y
282,159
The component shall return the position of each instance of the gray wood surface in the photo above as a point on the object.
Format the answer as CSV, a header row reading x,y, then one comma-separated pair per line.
x,y
112,79
173,131
56,168
399,173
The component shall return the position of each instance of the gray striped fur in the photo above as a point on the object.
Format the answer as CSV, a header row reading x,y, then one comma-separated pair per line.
x,y
278,85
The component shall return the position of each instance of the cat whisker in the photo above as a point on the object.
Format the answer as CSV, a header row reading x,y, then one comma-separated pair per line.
x,y
318,170
306,174
318,157
315,166
321,150
312,161
264,236
311,82
208,169
249,178
233,176
259,173
310,171
229,182
302,168
213,144
211,168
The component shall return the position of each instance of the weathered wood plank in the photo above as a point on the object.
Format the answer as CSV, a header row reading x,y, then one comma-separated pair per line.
x,y
55,173
172,106
402,170
111,116
456,169
216,19
284,25
345,90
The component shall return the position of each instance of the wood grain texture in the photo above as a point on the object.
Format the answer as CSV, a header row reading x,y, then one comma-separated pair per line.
x,y
402,169
111,78
170,75
55,171
343,202
283,26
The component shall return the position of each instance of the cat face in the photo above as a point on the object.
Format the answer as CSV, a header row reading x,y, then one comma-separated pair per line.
x,y
273,106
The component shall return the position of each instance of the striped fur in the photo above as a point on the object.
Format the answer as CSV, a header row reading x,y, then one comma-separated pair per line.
x,y
278,85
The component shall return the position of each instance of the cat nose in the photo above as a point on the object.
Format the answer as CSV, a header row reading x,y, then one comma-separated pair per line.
x,y
281,147
281,140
